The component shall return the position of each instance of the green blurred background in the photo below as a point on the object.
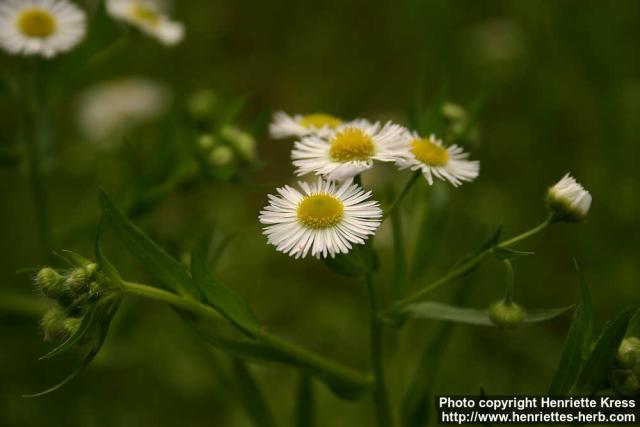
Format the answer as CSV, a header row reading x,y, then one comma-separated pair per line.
x,y
560,85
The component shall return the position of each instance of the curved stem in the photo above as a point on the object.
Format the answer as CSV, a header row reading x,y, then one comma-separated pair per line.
x,y
306,357
402,194
468,266
510,285
380,388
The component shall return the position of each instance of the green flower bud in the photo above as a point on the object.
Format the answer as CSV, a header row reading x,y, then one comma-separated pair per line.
x,y
78,280
454,112
568,201
202,104
625,383
243,142
53,324
206,142
71,325
506,315
50,283
628,353
221,156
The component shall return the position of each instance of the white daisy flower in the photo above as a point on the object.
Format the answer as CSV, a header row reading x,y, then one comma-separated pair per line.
x,y
149,17
568,201
285,126
111,108
322,219
432,158
350,149
40,27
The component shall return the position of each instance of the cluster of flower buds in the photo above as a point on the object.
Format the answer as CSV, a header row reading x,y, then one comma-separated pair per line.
x,y
73,291
625,378
222,153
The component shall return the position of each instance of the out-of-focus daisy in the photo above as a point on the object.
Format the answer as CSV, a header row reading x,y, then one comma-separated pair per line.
x,y
431,157
285,126
568,201
40,27
109,109
149,17
322,220
350,149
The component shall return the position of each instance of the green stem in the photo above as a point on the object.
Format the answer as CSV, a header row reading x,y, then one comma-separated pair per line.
x,y
306,357
467,266
403,193
381,399
510,285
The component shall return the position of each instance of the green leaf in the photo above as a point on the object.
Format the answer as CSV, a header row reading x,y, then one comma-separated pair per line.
x,y
503,254
252,396
594,376
156,261
577,344
87,324
357,263
493,240
439,311
305,410
103,262
223,299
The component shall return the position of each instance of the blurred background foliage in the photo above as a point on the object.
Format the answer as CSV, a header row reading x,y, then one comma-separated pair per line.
x,y
558,84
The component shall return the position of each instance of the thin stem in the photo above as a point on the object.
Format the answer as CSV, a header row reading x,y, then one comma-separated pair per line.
x,y
402,194
510,285
468,266
381,399
305,357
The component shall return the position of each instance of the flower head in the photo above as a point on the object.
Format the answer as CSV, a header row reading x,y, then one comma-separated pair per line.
x,y
568,201
285,126
508,315
324,219
110,108
430,156
40,27
350,149
148,17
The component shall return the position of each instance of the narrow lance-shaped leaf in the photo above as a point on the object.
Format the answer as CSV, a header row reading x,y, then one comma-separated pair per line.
x,y
223,299
439,311
85,326
594,375
156,261
577,344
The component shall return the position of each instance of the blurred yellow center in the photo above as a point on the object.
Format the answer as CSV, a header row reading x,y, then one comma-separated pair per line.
x,y
320,211
145,14
351,144
319,121
36,22
429,153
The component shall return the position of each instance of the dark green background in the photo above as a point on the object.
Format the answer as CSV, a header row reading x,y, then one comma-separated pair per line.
x,y
560,82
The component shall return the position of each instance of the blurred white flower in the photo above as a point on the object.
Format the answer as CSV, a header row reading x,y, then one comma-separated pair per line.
x,y
322,220
285,126
568,201
432,158
40,27
149,17
350,149
109,109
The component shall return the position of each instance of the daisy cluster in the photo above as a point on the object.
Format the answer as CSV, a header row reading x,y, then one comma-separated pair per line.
x,y
47,28
331,215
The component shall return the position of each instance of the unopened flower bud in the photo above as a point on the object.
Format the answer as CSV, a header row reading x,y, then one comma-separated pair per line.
x,y
206,142
53,324
243,142
625,383
202,104
568,201
50,282
78,280
221,156
628,353
71,325
454,112
506,315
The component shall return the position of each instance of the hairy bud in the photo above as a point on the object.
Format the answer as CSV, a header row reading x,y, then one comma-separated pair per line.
x,y
53,324
506,315
624,382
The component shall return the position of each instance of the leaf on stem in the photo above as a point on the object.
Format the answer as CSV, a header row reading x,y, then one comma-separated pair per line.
x,y
154,259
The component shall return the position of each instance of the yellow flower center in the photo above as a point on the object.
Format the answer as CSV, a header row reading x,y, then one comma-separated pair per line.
x,y
37,22
351,144
320,211
429,153
320,120
145,14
